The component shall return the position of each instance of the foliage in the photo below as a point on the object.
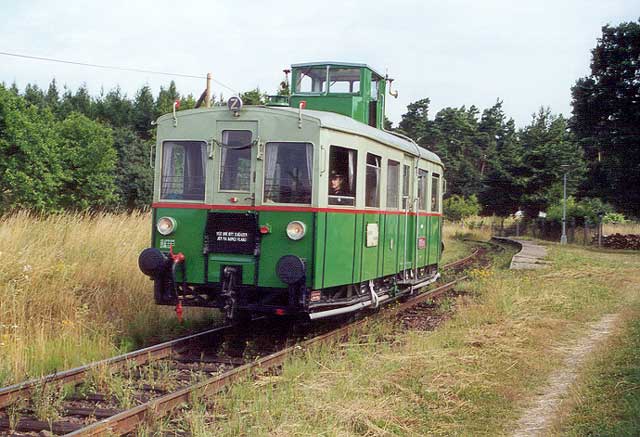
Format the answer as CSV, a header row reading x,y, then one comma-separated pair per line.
x,y
606,117
31,174
88,158
457,208
143,112
614,218
134,175
166,99
578,210
548,146
253,97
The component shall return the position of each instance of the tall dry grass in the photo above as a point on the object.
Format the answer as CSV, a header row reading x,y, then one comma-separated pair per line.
x,y
71,291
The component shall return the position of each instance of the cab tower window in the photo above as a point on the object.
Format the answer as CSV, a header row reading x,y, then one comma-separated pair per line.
x,y
344,80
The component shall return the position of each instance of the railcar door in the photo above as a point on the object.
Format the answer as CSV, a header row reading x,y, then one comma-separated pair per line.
x,y
235,157
407,223
230,235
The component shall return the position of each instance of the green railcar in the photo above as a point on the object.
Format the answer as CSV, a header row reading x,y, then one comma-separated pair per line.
x,y
309,210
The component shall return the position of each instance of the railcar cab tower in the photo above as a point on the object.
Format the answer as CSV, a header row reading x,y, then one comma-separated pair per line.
x,y
354,90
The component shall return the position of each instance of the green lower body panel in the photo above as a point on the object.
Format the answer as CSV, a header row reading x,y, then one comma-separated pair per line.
x,y
338,248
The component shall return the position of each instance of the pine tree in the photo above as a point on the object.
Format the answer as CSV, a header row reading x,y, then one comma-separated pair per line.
x,y
606,117
143,112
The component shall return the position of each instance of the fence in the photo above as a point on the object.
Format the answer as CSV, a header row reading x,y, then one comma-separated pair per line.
x,y
578,232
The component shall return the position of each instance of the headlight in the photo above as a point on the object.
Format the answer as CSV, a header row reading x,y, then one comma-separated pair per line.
x,y
296,230
166,225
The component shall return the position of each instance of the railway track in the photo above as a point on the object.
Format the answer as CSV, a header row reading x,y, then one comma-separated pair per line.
x,y
156,380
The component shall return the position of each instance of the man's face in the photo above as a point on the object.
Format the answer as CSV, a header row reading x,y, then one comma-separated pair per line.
x,y
336,182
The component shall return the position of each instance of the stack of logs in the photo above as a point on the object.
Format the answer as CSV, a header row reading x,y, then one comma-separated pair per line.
x,y
620,241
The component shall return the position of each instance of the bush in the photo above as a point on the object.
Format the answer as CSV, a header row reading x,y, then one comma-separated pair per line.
x,y
613,217
578,210
457,208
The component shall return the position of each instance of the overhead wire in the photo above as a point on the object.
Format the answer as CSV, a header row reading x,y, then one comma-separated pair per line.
x,y
112,67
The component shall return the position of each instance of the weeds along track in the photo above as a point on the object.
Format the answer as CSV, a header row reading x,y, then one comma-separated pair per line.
x,y
116,395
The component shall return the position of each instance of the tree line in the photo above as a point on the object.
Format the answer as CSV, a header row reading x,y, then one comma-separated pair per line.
x,y
507,168
69,150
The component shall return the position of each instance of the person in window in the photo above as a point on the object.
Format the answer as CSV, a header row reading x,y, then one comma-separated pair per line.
x,y
337,185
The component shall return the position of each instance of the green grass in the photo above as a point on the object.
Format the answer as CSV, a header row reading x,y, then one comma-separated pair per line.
x,y
606,401
472,376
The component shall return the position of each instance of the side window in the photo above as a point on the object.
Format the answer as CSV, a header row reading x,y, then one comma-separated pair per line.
x,y
435,193
343,164
423,179
372,188
405,186
235,162
288,171
184,165
393,180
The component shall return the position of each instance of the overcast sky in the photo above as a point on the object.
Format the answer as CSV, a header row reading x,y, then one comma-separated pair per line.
x,y
527,53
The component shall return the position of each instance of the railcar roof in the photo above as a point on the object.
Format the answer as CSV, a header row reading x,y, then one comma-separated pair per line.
x,y
331,120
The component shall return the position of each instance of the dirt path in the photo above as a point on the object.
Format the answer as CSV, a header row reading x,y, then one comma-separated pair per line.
x,y
538,417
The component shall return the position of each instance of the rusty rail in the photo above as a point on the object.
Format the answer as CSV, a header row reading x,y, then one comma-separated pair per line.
x,y
11,394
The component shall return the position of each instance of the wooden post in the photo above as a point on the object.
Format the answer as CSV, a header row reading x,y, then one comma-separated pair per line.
x,y
586,231
207,98
600,232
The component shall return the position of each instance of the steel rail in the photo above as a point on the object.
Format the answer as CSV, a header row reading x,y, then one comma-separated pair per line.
x,y
127,421
10,394
463,261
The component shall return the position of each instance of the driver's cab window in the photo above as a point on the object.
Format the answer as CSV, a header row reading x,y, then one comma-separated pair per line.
x,y
344,80
343,164
235,160
311,80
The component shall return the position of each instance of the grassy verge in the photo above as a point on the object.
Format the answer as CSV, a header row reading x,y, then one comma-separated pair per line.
x,y
472,376
71,292
606,400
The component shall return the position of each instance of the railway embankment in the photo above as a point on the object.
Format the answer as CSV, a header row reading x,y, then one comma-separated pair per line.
x,y
475,372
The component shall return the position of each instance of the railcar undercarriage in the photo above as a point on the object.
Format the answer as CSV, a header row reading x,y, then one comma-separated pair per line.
x,y
237,300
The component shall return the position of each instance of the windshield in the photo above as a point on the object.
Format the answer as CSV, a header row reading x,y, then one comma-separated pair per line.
x,y
184,165
288,171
